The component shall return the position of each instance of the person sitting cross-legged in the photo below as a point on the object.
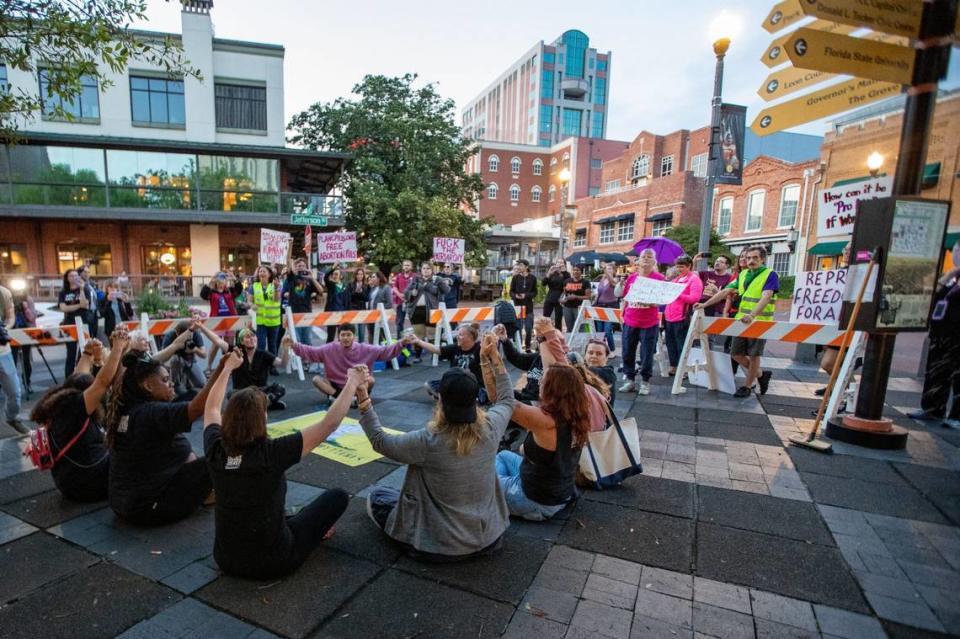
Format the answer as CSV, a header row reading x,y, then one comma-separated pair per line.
x,y
253,538
257,363
450,507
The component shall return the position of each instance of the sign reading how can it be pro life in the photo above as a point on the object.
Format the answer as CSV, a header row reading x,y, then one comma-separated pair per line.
x,y
337,247
448,249
838,206
818,296
274,246
835,53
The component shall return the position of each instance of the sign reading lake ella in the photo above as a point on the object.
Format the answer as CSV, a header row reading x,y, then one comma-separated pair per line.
x,y
833,53
733,123
834,99
782,15
448,249
901,17
775,55
337,247
837,207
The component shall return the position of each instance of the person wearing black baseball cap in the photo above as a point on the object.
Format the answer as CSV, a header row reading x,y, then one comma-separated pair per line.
x,y
451,506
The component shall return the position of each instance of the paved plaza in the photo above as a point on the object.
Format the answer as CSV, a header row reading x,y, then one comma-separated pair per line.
x,y
728,533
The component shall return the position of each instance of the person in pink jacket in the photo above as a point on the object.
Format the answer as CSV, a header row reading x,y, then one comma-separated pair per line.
x,y
677,313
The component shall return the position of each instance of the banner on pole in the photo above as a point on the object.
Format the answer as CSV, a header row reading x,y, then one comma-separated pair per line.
x,y
448,249
337,247
645,290
307,239
274,246
837,207
818,297
733,122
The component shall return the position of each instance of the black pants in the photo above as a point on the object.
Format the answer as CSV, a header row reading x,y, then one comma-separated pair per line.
x,y
553,308
71,362
942,376
182,495
527,326
25,355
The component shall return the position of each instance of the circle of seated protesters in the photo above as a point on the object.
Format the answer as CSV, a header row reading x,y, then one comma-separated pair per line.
x,y
254,538
451,506
73,416
465,354
155,477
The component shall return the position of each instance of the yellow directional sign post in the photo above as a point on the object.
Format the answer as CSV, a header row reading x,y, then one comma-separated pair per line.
x,y
834,99
782,15
901,17
832,53
775,55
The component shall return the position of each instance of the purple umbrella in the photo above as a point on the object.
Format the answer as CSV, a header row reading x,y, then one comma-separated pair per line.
x,y
666,249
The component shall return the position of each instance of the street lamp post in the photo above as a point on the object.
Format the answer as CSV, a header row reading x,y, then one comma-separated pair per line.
x,y
722,30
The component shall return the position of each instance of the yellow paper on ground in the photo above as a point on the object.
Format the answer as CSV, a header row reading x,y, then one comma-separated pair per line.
x,y
347,445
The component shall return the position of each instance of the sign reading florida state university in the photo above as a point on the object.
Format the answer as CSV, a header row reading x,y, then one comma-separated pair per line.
x,y
448,249
838,206
274,246
818,297
337,247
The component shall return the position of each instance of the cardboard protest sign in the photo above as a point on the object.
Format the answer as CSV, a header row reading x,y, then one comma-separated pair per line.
x,y
818,296
337,247
837,207
448,249
347,445
649,291
274,246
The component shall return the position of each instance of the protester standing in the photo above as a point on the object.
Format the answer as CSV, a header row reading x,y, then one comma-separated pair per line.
x,y
607,298
300,289
9,380
114,308
74,302
576,290
641,326
222,297
360,298
400,283
422,296
380,292
338,296
557,275
25,312
677,313
523,292
94,295
266,300
452,298
714,280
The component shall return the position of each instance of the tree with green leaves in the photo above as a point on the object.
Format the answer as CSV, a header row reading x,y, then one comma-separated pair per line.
x,y
407,181
75,42
688,236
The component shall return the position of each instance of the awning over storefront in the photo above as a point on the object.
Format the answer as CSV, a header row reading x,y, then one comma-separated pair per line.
x,y
616,218
931,175
950,240
828,248
660,216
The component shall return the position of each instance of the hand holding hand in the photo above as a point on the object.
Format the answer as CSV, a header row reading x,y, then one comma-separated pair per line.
x,y
746,319
183,337
94,348
698,306
287,341
358,375
542,326
232,361
408,339
488,347
500,331
119,338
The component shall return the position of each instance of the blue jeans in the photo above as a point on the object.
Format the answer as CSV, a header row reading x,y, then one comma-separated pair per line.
x,y
10,382
646,338
508,473
401,315
267,338
674,336
305,335
607,327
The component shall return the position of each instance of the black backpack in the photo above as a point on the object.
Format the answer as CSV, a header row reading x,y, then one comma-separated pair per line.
x,y
504,313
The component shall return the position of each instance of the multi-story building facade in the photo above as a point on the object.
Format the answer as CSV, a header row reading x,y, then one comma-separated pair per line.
x,y
554,91
159,175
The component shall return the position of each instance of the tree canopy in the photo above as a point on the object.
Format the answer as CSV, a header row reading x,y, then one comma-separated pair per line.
x,y
73,41
688,236
407,181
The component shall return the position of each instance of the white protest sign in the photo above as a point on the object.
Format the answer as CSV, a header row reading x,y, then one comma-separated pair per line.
x,y
818,296
274,246
837,207
448,249
337,247
644,290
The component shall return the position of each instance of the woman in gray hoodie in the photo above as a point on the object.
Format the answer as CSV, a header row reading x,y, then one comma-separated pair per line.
x,y
451,506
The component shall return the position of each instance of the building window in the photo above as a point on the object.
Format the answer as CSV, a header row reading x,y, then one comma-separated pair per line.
x,y
551,193
244,259
566,159
165,260
514,193
537,167
515,165
546,119
725,215
157,101
83,107
493,163
789,199
580,237
4,83
755,202
612,185
607,230
74,255
625,231
241,107
593,190
549,57
641,167
596,163
666,166
535,193
546,85
54,175
492,191
600,91
698,164
571,122
660,227
596,125
781,263
13,258
601,65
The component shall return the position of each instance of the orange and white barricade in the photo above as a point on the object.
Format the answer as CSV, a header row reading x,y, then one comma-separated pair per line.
x,y
380,320
590,313
443,317
721,377
50,336
160,327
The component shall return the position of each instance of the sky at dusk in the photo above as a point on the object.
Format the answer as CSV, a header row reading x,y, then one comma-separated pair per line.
x,y
661,75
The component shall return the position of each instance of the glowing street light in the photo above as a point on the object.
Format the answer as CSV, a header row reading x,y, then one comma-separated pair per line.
x,y
874,163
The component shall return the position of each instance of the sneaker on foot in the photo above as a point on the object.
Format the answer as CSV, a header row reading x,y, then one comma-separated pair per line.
x,y
743,391
820,392
764,381
925,416
432,393
18,426
643,388
952,422
628,386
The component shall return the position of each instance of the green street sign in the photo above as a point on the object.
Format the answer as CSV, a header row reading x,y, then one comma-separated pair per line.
x,y
312,220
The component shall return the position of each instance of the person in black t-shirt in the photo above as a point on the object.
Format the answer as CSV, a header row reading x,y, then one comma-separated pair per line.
x,y
300,289
253,537
576,289
74,302
82,472
255,371
464,354
155,477
554,281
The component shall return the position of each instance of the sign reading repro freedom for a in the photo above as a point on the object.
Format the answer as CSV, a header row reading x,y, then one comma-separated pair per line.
x,y
337,247
818,296
448,249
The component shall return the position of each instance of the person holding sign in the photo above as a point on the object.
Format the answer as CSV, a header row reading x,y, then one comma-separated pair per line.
x,y
757,287
677,312
641,326
253,538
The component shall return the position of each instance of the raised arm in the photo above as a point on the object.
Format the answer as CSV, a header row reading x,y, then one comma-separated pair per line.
x,y
95,392
174,346
498,384
198,404
406,448
211,408
215,339
424,344
316,434
553,348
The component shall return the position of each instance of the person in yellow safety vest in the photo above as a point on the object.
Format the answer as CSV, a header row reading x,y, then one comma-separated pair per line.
x,y
757,286
266,301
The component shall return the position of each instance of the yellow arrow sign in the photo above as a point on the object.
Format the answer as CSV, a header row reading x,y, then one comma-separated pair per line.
x,y
901,17
819,51
782,15
834,99
774,55
792,79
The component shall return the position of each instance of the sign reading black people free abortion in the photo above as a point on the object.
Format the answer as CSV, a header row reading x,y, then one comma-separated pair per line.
x,y
733,121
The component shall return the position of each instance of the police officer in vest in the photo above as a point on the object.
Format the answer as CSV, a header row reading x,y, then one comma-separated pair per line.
x,y
757,287
266,299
